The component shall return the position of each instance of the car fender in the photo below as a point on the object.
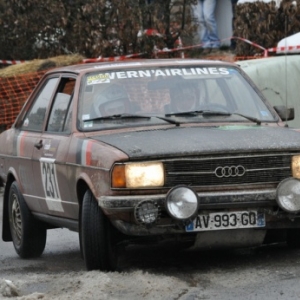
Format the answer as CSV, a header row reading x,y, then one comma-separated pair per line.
x,y
87,180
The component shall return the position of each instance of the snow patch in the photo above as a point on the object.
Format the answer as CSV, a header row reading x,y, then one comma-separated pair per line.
x,y
8,289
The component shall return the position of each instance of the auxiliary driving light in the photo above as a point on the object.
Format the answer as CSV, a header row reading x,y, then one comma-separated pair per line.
x,y
182,203
288,195
146,212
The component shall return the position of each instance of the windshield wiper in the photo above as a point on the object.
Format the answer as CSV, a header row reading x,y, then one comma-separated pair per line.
x,y
119,116
253,119
131,116
169,120
199,112
185,113
212,113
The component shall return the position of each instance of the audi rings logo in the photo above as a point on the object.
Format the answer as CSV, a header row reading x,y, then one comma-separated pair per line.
x,y
230,171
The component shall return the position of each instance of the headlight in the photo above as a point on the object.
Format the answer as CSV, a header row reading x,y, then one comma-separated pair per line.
x,y
182,203
137,175
288,195
296,166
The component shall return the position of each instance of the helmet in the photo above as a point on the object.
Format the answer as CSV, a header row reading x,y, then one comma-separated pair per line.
x,y
109,100
184,97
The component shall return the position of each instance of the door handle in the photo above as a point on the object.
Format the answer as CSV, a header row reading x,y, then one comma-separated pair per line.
x,y
39,145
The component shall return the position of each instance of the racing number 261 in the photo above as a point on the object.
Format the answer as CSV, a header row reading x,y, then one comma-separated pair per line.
x,y
49,179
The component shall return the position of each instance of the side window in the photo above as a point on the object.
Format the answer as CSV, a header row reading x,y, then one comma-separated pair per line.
x,y
35,117
68,124
60,115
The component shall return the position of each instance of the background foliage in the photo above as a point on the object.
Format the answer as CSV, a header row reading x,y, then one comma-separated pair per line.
x,y
265,23
39,29
35,29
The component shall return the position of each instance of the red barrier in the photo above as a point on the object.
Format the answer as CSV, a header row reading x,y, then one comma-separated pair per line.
x,y
157,51
11,62
288,48
112,58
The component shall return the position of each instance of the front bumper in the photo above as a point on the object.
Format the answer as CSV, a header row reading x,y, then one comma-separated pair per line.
x,y
207,200
120,210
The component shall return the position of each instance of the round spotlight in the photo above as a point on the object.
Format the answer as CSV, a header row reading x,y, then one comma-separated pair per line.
x,y
288,195
182,203
146,212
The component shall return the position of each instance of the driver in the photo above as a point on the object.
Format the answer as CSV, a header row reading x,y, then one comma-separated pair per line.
x,y
184,97
110,100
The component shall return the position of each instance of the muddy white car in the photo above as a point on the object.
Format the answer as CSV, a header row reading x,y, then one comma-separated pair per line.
x,y
149,151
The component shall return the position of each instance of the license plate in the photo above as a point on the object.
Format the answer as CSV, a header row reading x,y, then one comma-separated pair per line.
x,y
227,220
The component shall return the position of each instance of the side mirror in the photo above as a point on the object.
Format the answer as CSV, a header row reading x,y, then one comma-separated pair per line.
x,y
286,114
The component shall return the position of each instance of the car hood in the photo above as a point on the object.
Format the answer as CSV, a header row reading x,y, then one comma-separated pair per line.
x,y
180,141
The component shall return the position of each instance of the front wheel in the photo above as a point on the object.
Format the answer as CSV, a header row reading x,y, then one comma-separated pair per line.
x,y
28,234
97,239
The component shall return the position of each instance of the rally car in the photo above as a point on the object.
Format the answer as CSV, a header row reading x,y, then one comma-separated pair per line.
x,y
148,151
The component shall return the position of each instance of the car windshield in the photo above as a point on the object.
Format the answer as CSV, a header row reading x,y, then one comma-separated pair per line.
x,y
171,95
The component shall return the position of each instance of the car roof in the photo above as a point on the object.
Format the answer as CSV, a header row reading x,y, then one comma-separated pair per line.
x,y
90,67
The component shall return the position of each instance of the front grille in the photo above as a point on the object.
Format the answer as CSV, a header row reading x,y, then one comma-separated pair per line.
x,y
253,169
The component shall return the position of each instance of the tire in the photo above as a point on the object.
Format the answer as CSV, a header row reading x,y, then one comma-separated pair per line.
x,y
80,241
28,234
97,239
293,238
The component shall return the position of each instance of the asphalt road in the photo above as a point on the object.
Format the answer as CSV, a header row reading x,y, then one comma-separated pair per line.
x,y
61,252
269,273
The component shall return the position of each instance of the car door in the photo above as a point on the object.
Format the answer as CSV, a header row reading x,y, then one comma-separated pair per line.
x,y
49,158
27,137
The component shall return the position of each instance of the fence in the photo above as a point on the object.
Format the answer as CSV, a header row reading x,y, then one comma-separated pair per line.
x,y
13,94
